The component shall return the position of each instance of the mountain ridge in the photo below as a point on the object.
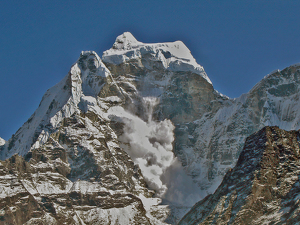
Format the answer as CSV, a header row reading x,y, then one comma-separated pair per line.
x,y
143,123
261,188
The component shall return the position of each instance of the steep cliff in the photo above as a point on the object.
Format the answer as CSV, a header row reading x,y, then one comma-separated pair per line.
x,y
210,145
262,188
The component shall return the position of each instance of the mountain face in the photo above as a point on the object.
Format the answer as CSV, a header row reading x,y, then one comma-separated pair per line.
x,y
92,153
263,187
211,145
119,135
73,170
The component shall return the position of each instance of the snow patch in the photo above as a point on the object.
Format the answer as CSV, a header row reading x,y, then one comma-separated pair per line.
x,y
123,215
2,142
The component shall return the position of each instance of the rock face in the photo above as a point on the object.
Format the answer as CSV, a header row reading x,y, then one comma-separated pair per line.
x,y
210,128
70,168
210,145
263,187
129,127
36,193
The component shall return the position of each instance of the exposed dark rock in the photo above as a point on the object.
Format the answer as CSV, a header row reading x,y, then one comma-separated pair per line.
x,y
261,188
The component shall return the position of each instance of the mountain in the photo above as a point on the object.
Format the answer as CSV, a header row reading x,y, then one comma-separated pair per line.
x,y
263,187
92,150
137,137
69,168
210,145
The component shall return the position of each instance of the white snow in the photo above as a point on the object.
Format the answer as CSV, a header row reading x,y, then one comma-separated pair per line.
x,y
149,143
99,216
45,218
2,141
152,206
59,103
126,41
10,186
86,187
174,56
52,186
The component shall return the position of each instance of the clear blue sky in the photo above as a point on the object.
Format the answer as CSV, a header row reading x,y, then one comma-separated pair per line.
x,y
237,42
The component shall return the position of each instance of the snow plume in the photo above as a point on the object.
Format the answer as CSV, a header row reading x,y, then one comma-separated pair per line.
x,y
181,189
149,103
149,143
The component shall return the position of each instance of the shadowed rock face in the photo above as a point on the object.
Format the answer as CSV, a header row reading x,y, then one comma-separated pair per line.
x,y
262,188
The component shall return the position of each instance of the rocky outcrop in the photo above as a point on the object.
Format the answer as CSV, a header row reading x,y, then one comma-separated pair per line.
x,y
262,188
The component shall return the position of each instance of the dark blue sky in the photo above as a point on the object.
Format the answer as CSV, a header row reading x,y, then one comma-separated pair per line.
x,y
237,42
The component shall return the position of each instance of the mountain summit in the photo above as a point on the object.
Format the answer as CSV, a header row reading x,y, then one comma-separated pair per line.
x,y
126,41
137,137
173,56
97,133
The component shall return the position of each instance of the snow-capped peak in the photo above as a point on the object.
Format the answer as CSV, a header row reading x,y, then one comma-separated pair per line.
x,y
126,41
2,141
174,56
